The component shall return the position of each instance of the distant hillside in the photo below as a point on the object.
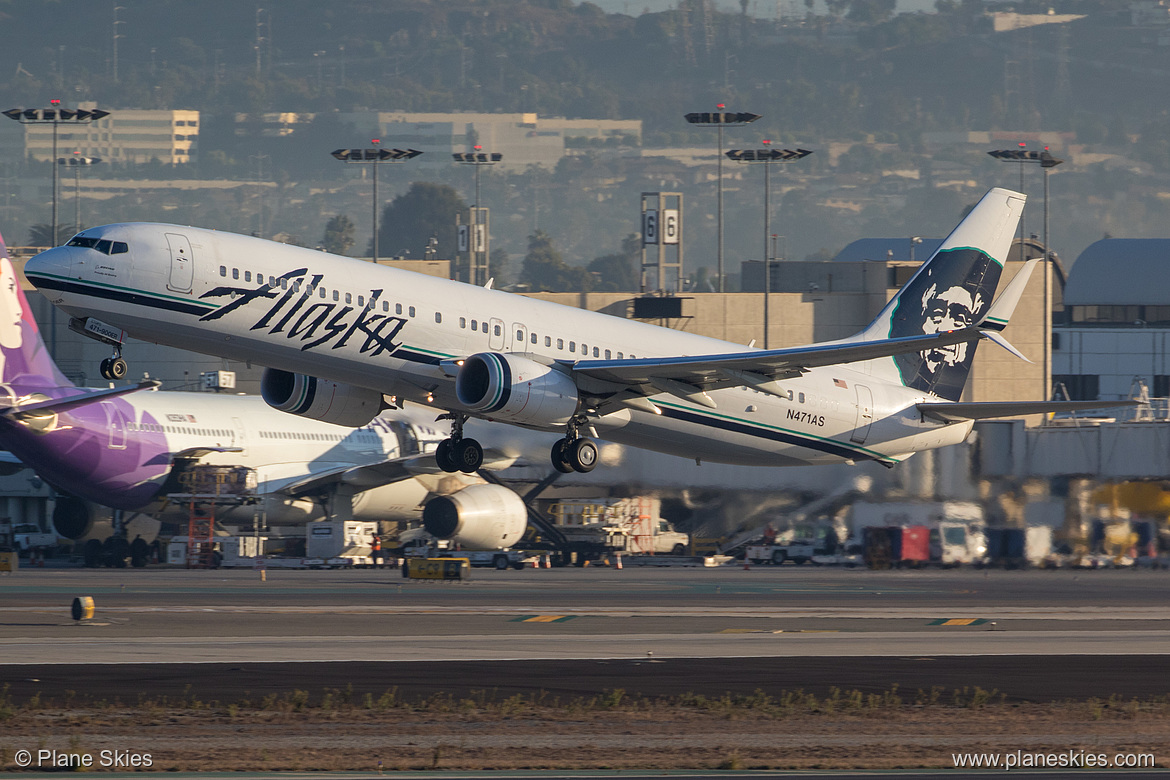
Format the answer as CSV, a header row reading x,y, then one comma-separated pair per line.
x,y
861,74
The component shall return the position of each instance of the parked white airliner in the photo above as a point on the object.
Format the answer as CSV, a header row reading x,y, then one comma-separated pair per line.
x,y
882,395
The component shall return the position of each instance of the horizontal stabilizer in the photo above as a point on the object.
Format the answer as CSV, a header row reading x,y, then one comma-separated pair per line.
x,y
957,412
74,401
998,338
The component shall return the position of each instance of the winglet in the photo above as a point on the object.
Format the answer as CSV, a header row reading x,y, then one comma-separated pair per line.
x,y
1001,311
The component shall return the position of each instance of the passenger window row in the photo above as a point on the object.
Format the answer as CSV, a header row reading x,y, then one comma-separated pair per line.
x,y
476,325
534,339
321,292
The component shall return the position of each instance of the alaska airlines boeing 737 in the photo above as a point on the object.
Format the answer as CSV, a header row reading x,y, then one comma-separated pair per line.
x,y
126,448
374,331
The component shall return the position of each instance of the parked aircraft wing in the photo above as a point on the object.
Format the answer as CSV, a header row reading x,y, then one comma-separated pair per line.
x,y
388,471
199,452
362,477
988,410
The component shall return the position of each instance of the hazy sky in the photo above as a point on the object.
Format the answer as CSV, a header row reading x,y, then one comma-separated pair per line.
x,y
761,8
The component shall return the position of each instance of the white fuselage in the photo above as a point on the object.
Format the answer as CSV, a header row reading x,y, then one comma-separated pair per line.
x,y
284,450
386,329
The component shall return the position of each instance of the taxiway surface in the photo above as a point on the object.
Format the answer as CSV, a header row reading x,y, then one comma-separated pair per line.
x,y
582,630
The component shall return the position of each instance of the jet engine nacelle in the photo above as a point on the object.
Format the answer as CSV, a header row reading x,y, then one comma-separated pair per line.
x,y
479,517
320,399
516,389
73,517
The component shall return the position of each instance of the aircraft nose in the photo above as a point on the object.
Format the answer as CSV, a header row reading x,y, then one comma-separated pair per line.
x,y
51,262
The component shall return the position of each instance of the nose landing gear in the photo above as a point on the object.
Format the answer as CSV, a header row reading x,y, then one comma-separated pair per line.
x,y
457,453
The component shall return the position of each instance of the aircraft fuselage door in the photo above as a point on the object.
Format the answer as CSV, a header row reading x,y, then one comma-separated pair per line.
x,y
182,263
237,432
520,333
496,335
864,414
116,426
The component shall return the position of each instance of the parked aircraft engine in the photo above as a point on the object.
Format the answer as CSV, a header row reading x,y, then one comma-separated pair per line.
x,y
479,517
516,389
319,399
73,518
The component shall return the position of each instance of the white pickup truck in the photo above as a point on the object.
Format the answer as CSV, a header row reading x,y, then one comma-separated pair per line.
x,y
28,536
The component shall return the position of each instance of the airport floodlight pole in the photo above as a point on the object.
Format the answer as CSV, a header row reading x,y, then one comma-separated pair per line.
x,y
375,157
767,156
719,120
77,162
1046,162
477,159
55,116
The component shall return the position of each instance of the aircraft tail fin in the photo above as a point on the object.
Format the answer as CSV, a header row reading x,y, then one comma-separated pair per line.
x,y
24,358
952,290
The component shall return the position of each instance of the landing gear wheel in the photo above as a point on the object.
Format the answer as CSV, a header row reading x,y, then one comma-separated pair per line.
x,y
582,455
118,368
444,456
559,460
105,368
468,454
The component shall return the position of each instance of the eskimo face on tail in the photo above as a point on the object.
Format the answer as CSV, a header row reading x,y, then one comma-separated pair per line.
x,y
953,291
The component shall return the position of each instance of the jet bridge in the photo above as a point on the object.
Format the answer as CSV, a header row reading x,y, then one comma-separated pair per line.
x,y
1101,449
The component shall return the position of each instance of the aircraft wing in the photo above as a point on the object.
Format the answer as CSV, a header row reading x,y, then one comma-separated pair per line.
x,y
199,452
362,477
73,401
690,376
385,472
988,410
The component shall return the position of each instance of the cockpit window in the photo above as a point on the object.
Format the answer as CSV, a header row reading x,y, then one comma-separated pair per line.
x,y
103,245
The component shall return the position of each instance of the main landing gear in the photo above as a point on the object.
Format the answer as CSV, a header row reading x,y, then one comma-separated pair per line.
x,y
457,453
114,367
574,452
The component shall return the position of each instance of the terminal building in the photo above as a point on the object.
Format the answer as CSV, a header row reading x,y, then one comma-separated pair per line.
x,y
125,136
1115,332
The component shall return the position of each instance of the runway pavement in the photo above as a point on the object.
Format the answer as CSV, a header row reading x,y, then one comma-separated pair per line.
x,y
668,630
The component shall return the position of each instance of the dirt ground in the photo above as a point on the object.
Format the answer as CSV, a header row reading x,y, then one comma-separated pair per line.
x,y
332,731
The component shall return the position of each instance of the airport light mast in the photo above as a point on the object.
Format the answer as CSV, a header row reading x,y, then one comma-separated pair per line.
x,y
375,157
766,157
478,256
720,119
77,162
55,116
1046,162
